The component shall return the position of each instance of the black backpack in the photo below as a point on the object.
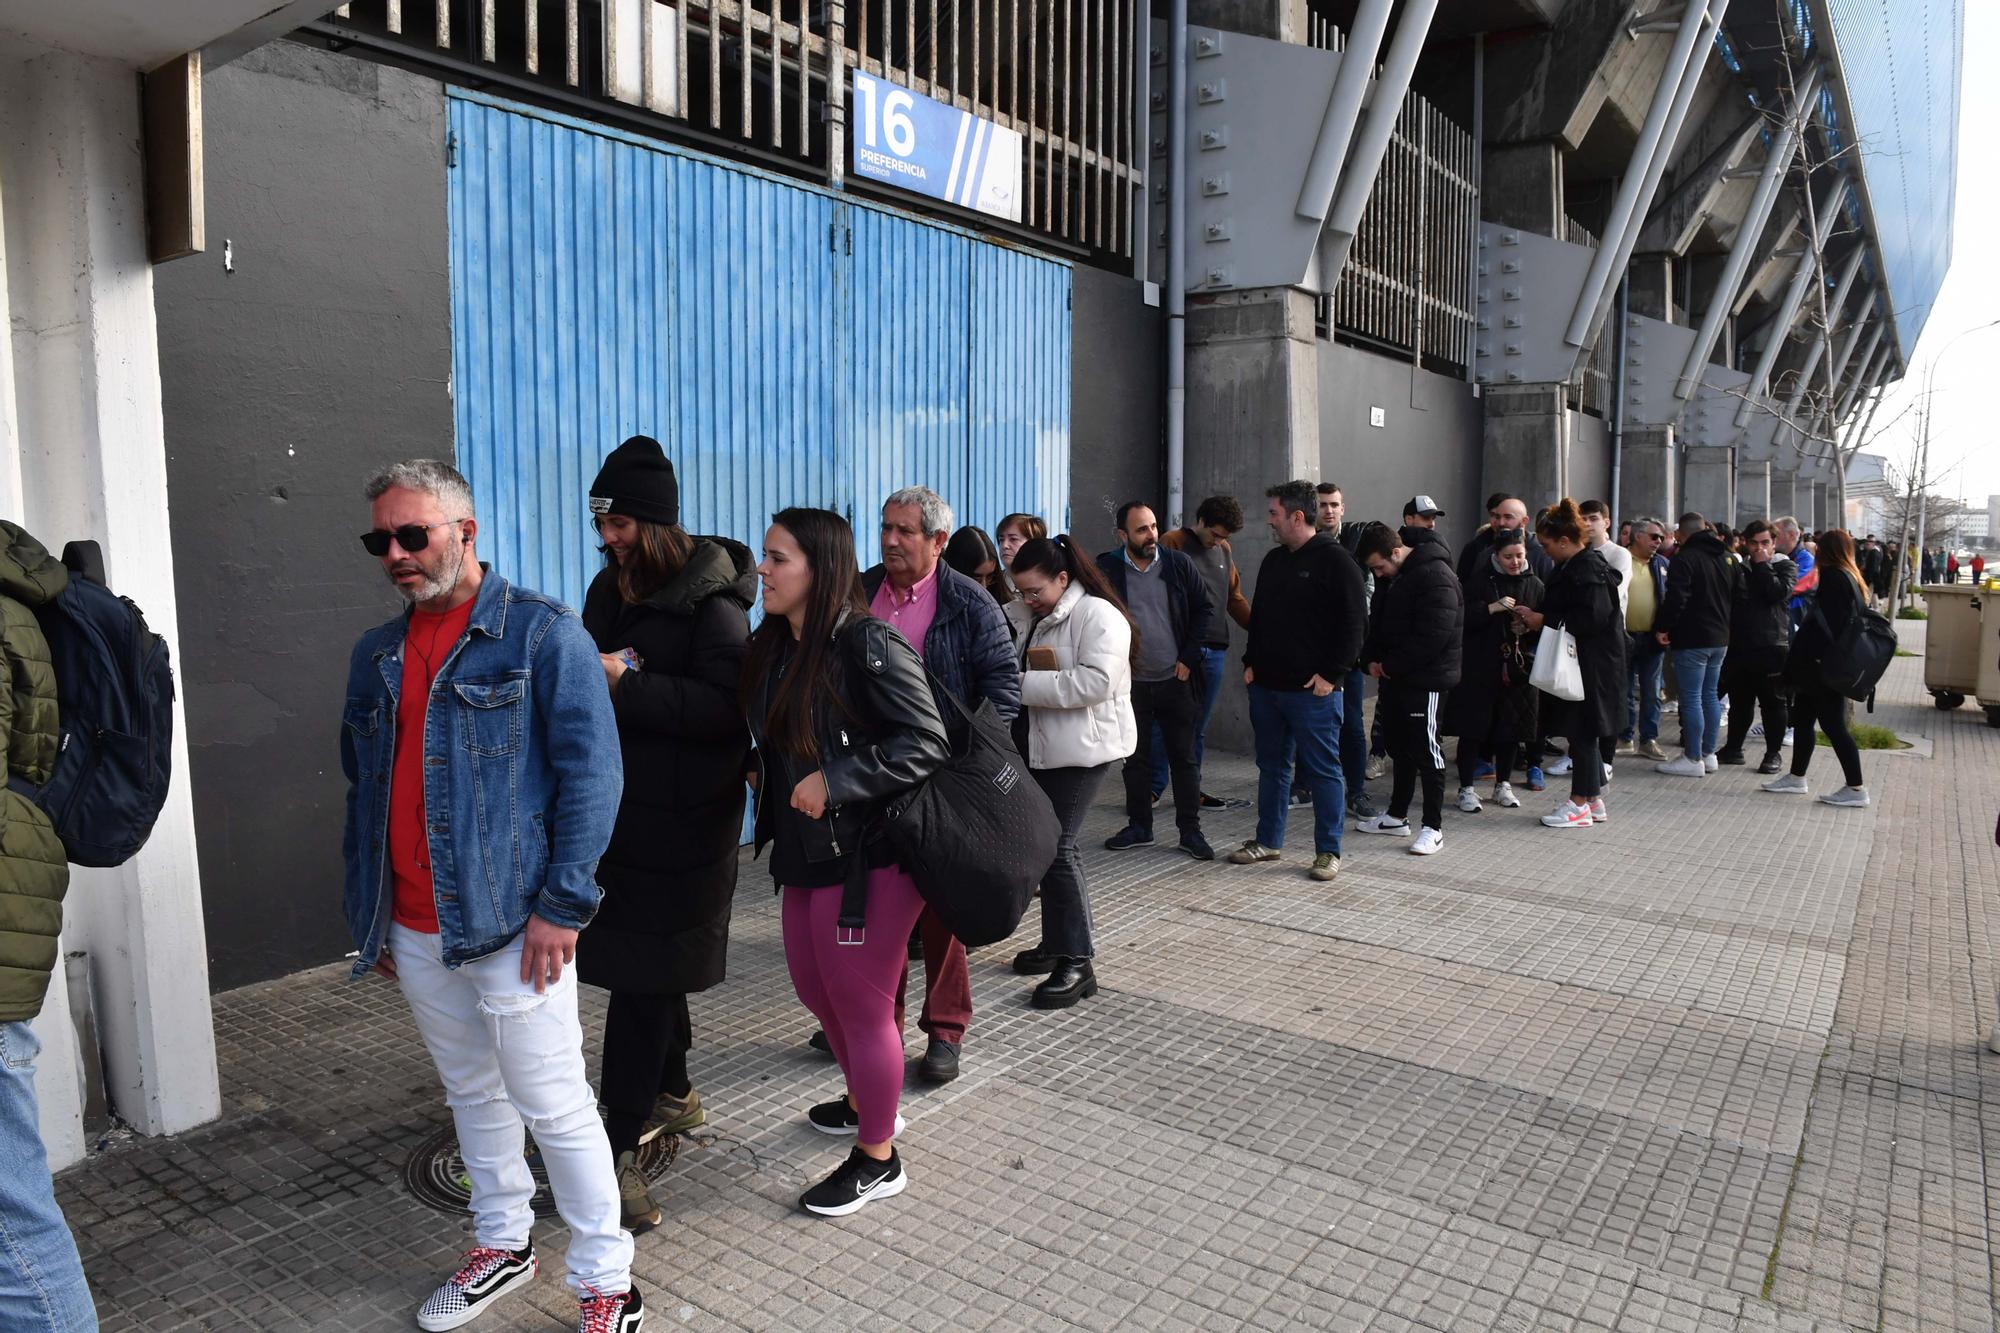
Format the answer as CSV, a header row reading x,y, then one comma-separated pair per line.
x,y
977,836
115,695
1857,657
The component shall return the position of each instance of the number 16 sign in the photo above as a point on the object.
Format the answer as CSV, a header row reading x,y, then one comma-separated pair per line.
x,y
905,139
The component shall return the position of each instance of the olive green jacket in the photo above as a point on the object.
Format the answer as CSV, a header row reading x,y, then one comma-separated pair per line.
x,y
33,871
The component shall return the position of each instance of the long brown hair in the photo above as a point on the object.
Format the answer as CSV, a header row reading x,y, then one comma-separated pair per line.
x,y
968,549
653,562
806,690
1836,551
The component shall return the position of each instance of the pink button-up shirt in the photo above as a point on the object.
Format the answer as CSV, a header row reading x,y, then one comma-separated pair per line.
x,y
912,612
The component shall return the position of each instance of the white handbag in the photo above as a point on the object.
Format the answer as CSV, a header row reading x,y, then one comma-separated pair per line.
x,y
1557,671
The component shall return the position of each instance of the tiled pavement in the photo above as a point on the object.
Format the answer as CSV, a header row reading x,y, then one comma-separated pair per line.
x,y
1714,1065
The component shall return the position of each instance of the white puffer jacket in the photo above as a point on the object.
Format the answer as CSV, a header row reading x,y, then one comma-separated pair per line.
x,y
1080,714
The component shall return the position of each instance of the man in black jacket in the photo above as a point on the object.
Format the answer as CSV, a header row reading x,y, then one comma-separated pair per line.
x,y
1760,636
1413,650
1170,604
1512,513
1694,622
1306,623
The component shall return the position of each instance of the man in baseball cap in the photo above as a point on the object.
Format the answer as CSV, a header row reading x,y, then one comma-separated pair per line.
x,y
1420,511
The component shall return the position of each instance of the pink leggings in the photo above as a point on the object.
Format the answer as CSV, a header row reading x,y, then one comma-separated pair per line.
x,y
851,988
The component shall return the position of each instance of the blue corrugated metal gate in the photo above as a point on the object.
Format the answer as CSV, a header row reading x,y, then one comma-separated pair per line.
x,y
786,345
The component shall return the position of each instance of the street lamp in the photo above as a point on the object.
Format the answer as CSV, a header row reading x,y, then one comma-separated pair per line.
x,y
1924,447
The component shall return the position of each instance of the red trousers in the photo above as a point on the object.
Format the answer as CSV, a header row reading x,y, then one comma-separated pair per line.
x,y
947,984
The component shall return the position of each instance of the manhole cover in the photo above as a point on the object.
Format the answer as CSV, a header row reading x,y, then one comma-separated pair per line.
x,y
436,1175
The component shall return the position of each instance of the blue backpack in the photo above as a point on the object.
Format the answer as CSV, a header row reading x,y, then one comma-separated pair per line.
x,y
115,695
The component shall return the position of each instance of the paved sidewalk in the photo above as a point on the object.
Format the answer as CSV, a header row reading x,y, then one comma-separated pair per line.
x,y
1715,1065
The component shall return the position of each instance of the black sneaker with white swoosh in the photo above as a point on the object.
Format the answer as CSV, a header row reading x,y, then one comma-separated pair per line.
x,y
860,1181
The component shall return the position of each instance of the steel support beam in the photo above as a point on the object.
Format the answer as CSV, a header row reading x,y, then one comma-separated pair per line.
x,y
1336,127
1788,313
1742,249
1364,159
1648,163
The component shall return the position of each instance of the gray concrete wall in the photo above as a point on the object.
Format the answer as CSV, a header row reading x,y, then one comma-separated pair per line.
x,y
1117,433
1429,441
326,352
1589,474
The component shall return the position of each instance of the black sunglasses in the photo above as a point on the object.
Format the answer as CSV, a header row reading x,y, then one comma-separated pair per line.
x,y
411,537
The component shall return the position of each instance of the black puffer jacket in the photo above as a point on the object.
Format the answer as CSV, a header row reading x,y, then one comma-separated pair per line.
x,y
1482,705
1760,629
1701,588
1582,597
669,874
1417,623
887,739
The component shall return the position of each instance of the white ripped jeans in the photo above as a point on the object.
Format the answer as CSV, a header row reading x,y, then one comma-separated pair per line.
x,y
506,1056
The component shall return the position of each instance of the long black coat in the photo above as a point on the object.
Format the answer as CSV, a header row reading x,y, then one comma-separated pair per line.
x,y
1482,707
669,874
1582,597
1416,624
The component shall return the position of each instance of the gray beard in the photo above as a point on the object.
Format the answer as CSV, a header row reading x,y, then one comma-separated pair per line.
x,y
442,586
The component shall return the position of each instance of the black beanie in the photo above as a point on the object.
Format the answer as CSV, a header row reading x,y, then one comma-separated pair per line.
x,y
638,482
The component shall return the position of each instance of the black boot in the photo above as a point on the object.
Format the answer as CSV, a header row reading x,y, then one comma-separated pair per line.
x,y
1071,981
1033,963
1729,754
1774,762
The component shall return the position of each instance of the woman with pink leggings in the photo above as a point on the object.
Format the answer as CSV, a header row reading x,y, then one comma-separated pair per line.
x,y
843,719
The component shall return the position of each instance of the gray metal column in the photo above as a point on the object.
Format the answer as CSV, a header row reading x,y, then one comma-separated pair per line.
x,y
1741,250
1649,159
1336,127
1364,159
1855,389
1819,351
1795,295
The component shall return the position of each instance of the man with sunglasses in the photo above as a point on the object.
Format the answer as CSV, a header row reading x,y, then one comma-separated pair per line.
x,y
1645,590
483,777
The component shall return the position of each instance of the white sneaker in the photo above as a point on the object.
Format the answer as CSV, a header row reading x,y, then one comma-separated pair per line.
x,y
1993,1039
1504,797
1468,800
1569,815
1787,785
1558,766
1385,823
1683,767
1376,766
1854,796
1597,811
1428,841
1709,763
1607,773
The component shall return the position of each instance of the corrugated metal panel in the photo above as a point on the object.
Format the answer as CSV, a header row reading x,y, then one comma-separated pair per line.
x,y
785,345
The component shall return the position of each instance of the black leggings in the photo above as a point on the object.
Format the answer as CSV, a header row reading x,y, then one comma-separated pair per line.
x,y
1747,691
1816,703
646,1041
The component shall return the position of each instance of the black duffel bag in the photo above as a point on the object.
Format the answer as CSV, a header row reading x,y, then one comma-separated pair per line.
x,y
977,835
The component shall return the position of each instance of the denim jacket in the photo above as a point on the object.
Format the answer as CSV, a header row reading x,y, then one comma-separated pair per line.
x,y
521,774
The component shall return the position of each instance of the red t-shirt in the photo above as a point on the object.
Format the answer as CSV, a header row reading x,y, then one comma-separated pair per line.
x,y
425,648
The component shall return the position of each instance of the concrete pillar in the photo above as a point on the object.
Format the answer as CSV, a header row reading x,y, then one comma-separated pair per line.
x,y
1279,20
1753,492
1785,494
1252,421
1522,186
1527,442
1647,480
1709,482
1652,287
87,447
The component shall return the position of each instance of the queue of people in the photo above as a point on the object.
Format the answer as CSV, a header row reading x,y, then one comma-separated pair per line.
x,y
495,858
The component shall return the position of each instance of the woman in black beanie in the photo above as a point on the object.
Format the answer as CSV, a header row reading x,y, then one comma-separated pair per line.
x,y
669,613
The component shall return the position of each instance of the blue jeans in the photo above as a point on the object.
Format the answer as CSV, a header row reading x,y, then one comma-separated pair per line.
x,y
1353,735
1642,678
1295,722
41,1279
1698,674
1214,661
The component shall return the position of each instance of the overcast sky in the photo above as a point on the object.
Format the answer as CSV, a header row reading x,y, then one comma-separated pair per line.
x,y
1965,432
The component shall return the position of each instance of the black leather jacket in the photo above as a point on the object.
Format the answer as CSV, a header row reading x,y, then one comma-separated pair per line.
x,y
887,740
1759,625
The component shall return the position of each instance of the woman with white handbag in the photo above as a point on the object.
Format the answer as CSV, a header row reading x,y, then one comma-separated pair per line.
x,y
1580,664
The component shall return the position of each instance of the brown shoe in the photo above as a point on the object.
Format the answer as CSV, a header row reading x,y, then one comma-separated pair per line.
x,y
636,1210
674,1115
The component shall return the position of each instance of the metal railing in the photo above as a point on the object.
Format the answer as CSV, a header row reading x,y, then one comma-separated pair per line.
x,y
1409,278
772,75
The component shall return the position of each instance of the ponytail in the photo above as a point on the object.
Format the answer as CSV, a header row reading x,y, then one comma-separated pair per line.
x,y
1058,555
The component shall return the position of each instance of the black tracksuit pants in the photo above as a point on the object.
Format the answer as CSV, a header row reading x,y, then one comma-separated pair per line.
x,y
1410,727
1749,686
